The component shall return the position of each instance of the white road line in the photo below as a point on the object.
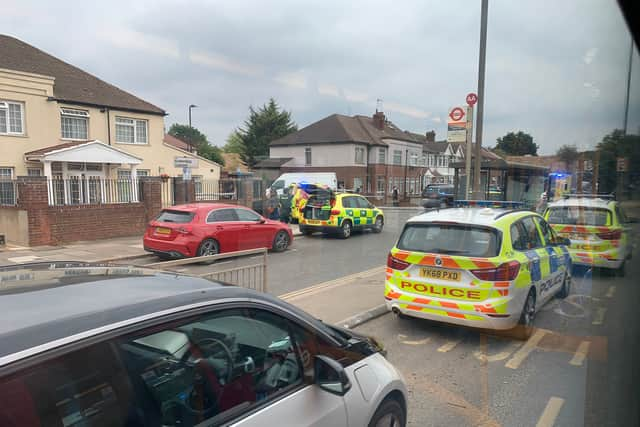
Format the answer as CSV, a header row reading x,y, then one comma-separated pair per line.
x,y
598,318
223,262
331,284
181,269
580,354
27,258
448,346
611,291
550,413
256,257
524,351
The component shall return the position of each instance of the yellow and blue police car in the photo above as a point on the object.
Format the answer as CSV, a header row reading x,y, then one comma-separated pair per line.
x,y
598,229
483,267
339,213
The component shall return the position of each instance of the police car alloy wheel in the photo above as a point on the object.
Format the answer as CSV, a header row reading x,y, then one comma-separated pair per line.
x,y
566,287
622,270
527,317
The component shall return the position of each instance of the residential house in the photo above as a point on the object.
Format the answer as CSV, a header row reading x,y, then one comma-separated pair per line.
x,y
437,157
369,154
59,121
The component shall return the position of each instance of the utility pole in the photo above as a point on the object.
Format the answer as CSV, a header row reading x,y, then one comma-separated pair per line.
x,y
481,66
626,102
190,107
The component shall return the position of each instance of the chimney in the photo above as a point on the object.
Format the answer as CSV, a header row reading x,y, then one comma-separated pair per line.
x,y
379,119
431,136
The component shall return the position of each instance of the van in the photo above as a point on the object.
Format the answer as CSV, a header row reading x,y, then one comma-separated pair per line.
x,y
286,179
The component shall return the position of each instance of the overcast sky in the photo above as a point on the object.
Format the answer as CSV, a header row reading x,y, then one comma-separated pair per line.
x,y
555,69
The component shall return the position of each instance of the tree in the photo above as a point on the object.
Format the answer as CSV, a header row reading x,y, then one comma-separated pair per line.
x,y
198,141
568,154
517,144
613,146
264,125
234,144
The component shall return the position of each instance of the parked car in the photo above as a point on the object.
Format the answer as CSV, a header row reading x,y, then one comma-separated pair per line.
x,y
129,346
210,228
438,195
340,214
477,266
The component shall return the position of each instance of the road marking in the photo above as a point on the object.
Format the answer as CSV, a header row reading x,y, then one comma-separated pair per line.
x,y
611,291
448,346
483,357
26,258
314,289
550,413
524,351
181,270
598,318
256,257
137,246
580,354
404,340
223,262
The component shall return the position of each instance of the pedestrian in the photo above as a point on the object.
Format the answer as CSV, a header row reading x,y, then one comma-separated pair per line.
x,y
395,196
542,203
285,205
272,205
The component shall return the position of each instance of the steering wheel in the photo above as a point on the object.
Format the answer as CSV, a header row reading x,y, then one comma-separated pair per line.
x,y
208,343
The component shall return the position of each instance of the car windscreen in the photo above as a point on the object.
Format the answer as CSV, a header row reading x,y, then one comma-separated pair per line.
x,y
180,217
450,239
579,215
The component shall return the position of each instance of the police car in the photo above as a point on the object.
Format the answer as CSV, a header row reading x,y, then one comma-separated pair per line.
x,y
477,266
598,229
339,213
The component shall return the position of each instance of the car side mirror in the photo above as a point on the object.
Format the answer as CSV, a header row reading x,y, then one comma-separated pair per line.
x,y
330,376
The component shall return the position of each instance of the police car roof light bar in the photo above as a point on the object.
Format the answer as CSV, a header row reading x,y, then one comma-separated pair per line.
x,y
609,196
488,204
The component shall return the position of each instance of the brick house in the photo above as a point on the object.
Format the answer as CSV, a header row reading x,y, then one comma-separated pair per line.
x,y
367,153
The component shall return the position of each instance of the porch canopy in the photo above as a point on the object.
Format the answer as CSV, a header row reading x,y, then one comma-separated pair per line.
x,y
82,152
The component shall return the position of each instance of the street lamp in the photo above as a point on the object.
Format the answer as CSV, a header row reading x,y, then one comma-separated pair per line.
x,y
190,107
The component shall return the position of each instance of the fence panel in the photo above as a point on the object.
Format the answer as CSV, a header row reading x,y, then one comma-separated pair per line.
x,y
93,191
8,192
167,192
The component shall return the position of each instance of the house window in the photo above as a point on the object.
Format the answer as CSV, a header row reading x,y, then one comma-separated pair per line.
x,y
397,157
131,131
146,172
359,155
307,156
382,155
93,166
11,118
34,172
75,123
357,184
380,184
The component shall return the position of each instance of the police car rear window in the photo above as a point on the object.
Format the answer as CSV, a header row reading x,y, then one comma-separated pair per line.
x,y
579,215
450,239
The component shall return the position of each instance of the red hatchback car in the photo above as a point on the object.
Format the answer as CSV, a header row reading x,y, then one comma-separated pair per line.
x,y
212,228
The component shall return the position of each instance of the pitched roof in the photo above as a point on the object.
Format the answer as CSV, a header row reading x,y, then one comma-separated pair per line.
x,y
49,149
274,162
176,142
337,128
71,83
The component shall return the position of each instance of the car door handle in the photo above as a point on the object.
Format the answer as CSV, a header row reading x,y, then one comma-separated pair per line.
x,y
219,228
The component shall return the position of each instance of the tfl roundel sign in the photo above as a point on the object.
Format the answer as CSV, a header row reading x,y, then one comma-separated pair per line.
x,y
472,98
456,114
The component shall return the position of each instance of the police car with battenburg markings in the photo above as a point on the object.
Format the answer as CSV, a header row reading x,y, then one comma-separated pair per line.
x,y
598,228
485,267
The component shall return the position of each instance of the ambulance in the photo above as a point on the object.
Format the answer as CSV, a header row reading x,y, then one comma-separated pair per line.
x,y
484,267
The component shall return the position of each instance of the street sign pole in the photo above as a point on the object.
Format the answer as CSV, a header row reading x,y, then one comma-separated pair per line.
x,y
484,11
467,156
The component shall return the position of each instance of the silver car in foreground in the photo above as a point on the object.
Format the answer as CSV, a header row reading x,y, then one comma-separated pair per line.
x,y
94,345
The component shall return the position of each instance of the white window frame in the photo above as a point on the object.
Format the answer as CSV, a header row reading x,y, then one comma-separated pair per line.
x,y
308,161
77,114
360,160
11,171
395,153
34,172
4,105
382,155
133,125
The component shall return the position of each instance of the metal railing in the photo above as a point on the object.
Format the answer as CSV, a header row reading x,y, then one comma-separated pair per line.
x,y
93,191
8,192
252,276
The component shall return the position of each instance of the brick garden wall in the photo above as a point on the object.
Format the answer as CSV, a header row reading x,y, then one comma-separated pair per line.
x,y
54,225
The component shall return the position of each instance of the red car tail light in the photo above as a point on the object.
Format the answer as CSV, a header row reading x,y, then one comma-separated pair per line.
x,y
395,263
184,230
503,273
610,235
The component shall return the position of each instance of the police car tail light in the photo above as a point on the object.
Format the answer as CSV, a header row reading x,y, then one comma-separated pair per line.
x,y
396,263
610,235
503,273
